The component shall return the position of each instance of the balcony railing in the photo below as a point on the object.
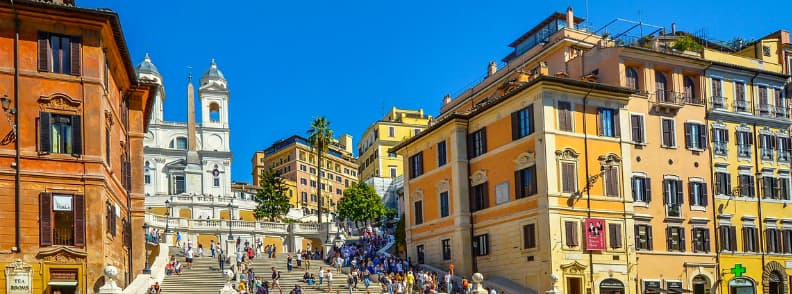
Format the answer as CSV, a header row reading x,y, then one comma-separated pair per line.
x,y
770,111
764,110
237,226
783,155
669,98
740,105
744,150
690,99
720,148
767,154
782,112
717,102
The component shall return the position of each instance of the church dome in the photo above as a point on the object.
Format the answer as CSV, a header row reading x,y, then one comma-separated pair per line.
x,y
147,67
213,73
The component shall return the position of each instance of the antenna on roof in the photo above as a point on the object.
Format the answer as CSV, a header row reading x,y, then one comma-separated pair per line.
x,y
587,14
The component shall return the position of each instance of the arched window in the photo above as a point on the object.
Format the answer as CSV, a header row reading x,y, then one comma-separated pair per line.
x,y
214,112
661,86
701,285
179,143
690,90
632,78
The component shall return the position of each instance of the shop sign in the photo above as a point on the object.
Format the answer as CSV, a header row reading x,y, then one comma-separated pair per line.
x,y
62,203
19,278
651,286
612,284
595,234
674,286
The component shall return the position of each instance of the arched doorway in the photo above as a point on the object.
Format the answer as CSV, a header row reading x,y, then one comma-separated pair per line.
x,y
701,285
774,278
611,286
741,286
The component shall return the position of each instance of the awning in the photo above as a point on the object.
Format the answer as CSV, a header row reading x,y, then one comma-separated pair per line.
x,y
63,283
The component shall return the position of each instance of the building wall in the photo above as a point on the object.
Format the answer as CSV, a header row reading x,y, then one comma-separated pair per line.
x,y
100,105
374,159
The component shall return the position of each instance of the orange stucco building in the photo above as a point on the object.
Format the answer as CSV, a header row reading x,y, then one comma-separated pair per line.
x,y
71,202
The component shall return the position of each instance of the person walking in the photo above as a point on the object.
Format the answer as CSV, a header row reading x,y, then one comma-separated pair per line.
x,y
288,263
276,280
329,280
212,248
188,256
220,259
321,276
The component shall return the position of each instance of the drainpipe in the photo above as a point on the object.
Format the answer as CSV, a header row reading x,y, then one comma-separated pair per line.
x,y
17,181
470,204
588,190
759,234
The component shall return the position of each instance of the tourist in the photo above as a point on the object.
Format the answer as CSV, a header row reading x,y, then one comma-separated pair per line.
x,y
321,275
288,263
155,289
311,281
188,256
329,280
299,260
200,250
276,279
305,277
212,247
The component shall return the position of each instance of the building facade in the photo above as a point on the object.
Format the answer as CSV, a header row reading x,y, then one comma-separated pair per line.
x,y
72,147
294,160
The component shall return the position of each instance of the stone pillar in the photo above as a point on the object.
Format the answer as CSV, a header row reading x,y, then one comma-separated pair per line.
x,y
231,251
478,278
553,288
110,286
227,288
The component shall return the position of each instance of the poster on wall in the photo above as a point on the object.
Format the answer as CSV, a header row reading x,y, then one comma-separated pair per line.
x,y
595,234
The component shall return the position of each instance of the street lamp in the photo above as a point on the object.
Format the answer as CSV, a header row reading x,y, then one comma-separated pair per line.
x,y
146,270
339,240
167,216
230,216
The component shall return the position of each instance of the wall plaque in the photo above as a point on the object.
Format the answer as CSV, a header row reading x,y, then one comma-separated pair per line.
x,y
19,278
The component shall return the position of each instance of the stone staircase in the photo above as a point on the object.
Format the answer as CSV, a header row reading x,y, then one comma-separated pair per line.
x,y
262,266
204,277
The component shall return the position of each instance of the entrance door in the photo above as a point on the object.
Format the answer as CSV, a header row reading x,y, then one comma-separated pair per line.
x,y
701,285
62,290
574,286
611,286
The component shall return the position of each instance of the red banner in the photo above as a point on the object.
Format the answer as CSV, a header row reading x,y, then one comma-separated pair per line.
x,y
595,234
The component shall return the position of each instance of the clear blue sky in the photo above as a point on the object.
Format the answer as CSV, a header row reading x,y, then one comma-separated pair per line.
x,y
289,61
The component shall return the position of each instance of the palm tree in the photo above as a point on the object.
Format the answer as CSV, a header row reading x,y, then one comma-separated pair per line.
x,y
320,136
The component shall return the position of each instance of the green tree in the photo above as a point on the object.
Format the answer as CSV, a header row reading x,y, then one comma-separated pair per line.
x,y
320,137
360,204
401,236
271,196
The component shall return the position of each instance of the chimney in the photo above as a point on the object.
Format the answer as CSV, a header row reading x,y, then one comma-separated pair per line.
x,y
493,67
570,18
447,99
673,28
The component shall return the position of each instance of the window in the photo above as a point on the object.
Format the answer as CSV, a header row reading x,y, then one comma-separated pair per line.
x,y
770,189
419,250
416,165
766,51
391,132
481,245
747,186
107,146
571,233
568,177
728,238
750,239
441,153
764,103
477,143
313,170
717,93
643,237
416,131
698,193
304,196
59,53
480,195
565,116
672,192
608,122
446,246
676,238
668,139
740,104
783,188
722,183
177,184
525,182
444,208
773,240
179,143
786,236
529,236
147,173
147,179
641,189
62,219
661,85
214,112
303,181
781,108
701,240
110,219
632,78
720,137
418,212
216,182
615,236
637,127
522,123
690,91
339,192
695,136
303,168
60,133
392,169
611,180
390,154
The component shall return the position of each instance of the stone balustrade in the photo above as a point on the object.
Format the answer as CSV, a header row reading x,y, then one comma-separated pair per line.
x,y
237,226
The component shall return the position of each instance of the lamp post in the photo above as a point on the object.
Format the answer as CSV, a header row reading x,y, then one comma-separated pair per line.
x,y
9,112
230,217
167,216
146,270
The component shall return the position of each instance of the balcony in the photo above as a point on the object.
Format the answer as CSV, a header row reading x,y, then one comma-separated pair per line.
x,y
782,112
744,151
668,99
719,103
783,156
741,105
767,154
764,110
720,148
690,99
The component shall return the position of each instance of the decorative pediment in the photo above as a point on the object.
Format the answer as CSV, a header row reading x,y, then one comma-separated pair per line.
x,y
62,254
443,185
478,177
59,102
525,159
417,195
574,267
567,154
609,159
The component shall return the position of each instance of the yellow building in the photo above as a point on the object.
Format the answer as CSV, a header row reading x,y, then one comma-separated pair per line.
x,y
749,118
374,160
526,171
293,159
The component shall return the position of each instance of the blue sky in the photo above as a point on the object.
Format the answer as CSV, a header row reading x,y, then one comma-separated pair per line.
x,y
289,61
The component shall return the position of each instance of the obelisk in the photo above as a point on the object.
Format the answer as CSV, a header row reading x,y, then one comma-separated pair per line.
x,y
194,181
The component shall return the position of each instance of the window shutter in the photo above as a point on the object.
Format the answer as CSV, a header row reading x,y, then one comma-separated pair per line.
x,y
569,230
470,151
45,219
746,244
704,196
688,138
575,233
530,119
755,239
669,241
618,233
485,194
635,121
679,193
599,122
515,125
637,234
519,191
77,145
737,137
79,220
45,122
681,239
649,234
616,123
647,189
726,136
702,136
612,236
750,138
632,186
666,196
76,45
43,51
483,140
773,142
706,240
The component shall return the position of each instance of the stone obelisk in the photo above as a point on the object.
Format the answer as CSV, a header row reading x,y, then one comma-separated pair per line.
x,y
192,171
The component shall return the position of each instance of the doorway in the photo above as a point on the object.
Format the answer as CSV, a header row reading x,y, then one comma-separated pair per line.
x,y
701,285
574,285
